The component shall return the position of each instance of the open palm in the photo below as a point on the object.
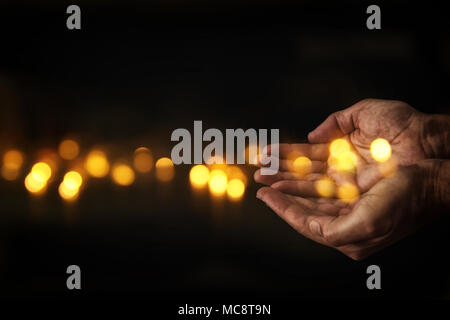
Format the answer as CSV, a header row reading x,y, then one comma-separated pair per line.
x,y
387,212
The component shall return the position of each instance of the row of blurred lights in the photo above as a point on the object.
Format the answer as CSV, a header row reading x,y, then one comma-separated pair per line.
x,y
343,160
221,179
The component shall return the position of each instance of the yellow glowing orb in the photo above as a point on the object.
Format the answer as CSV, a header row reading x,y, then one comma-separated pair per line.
x,y
72,180
302,165
380,150
13,160
164,169
348,192
325,187
33,185
66,192
123,175
345,161
41,171
218,181
235,189
199,176
97,164
338,147
68,149
143,160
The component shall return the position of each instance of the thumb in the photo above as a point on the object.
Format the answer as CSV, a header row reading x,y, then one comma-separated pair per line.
x,y
336,125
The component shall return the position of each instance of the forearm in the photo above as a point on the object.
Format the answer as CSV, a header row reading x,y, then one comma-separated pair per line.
x,y
435,135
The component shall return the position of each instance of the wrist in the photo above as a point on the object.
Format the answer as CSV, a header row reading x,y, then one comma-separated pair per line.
x,y
435,136
435,176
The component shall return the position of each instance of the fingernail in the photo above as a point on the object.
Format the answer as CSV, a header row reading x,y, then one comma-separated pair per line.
x,y
315,227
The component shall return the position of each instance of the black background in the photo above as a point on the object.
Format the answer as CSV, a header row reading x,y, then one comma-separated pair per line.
x,y
137,71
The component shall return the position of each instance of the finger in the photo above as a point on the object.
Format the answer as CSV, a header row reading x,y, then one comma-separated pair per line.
x,y
343,229
315,167
312,151
341,178
370,174
300,188
332,201
305,203
294,214
270,179
336,125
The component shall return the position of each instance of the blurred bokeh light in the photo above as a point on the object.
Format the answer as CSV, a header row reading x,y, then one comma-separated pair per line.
x,y
12,163
165,170
302,165
97,164
380,150
235,189
199,176
338,147
68,149
218,181
143,160
122,174
325,187
348,192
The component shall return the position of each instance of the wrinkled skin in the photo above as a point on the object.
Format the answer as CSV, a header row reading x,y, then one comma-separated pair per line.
x,y
397,122
388,209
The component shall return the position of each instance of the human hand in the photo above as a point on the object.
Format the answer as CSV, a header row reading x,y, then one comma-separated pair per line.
x,y
387,212
413,136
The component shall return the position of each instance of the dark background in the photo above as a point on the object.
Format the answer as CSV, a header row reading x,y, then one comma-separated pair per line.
x,y
137,71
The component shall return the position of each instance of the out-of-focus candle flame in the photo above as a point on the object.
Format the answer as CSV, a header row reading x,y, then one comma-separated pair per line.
x,y
235,189
338,147
68,149
380,150
33,185
199,176
348,192
12,163
73,180
70,186
122,175
67,193
143,160
325,187
37,179
302,165
165,170
341,157
345,161
41,171
218,181
97,164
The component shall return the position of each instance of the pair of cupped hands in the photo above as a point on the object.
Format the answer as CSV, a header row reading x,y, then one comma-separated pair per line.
x,y
388,208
